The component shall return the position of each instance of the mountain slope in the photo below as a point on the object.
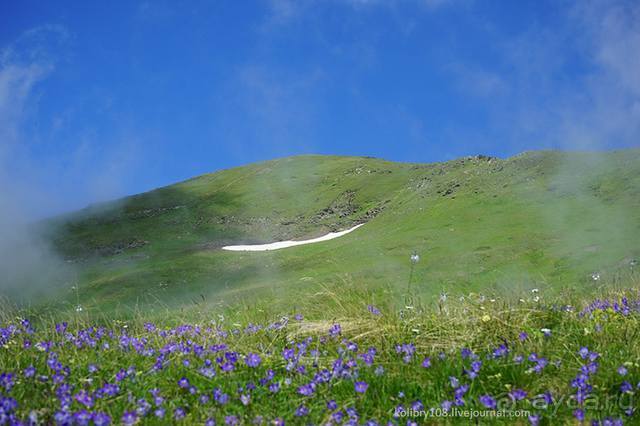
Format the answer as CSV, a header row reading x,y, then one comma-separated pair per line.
x,y
479,223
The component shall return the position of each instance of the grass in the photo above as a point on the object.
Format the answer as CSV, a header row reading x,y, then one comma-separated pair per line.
x,y
146,357
506,247
537,219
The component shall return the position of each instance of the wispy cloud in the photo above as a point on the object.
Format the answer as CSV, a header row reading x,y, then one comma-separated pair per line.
x,y
477,81
431,4
279,106
28,264
607,109
531,100
21,70
89,165
282,12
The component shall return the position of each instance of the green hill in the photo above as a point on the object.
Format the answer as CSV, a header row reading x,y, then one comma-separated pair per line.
x,y
479,224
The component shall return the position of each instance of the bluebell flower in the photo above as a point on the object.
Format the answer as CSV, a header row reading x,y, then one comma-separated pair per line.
x,y
101,419
626,387
129,418
454,382
517,395
231,420
179,413
253,360
488,401
335,330
373,310
307,389
361,387
302,411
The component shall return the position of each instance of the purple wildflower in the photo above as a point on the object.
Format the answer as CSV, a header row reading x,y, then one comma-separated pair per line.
x,y
335,330
454,382
488,402
288,354
129,418
231,420
179,413
274,387
253,360
500,351
583,352
101,419
307,390
517,395
302,411
82,418
30,371
361,387
373,310
408,349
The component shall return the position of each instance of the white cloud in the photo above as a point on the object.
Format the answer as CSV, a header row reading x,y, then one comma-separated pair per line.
x,y
574,86
28,265
477,81
614,31
606,111
283,12
89,166
20,72
280,105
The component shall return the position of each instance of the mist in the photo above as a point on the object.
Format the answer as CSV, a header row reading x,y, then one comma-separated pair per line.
x,y
29,267
605,113
43,174
31,270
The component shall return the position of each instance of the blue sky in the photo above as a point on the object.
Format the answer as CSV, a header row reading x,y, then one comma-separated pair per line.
x,y
112,98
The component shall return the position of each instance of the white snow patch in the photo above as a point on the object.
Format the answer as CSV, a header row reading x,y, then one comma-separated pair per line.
x,y
284,244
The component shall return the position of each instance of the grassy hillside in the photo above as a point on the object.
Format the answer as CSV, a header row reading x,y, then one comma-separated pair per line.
x,y
502,322
545,219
